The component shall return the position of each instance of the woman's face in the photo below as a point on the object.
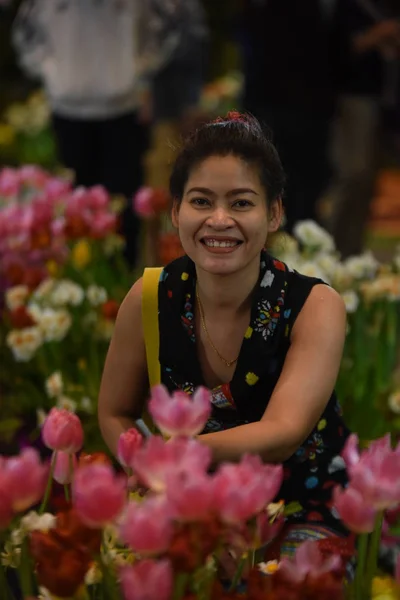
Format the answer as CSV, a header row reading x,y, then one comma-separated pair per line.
x,y
223,220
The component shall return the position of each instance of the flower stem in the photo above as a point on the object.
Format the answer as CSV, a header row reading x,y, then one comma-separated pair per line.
x,y
4,585
180,586
373,552
25,569
66,492
362,547
238,574
43,506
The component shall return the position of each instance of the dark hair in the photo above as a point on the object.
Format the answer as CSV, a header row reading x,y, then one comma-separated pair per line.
x,y
239,135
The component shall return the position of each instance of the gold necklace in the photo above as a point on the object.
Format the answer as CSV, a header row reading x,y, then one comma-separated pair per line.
x,y
228,363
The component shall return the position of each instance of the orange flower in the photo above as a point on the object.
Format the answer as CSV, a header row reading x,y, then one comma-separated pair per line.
x,y
14,273
64,554
20,318
41,238
94,458
33,276
110,309
192,543
76,227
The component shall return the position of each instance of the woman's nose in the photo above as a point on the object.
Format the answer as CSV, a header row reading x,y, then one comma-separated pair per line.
x,y
220,218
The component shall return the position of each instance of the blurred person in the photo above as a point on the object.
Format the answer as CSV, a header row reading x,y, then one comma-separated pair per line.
x,y
179,33
369,85
86,53
289,55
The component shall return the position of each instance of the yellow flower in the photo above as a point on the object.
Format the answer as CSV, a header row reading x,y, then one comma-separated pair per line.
x,y
7,135
385,588
185,276
52,268
251,378
249,333
81,254
322,424
269,568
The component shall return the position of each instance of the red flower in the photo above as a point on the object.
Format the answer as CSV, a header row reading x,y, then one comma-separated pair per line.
x,y
20,318
110,309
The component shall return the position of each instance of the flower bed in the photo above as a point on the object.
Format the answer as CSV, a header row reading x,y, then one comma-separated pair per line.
x,y
194,534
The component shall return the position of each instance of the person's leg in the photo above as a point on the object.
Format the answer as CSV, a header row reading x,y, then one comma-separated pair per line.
x,y
355,156
123,145
77,144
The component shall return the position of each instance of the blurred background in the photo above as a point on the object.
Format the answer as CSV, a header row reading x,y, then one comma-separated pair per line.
x,y
101,92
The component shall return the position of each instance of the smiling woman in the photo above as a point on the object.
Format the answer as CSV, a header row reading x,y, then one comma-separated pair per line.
x,y
266,340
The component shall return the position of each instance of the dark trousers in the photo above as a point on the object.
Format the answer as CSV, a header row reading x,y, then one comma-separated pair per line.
x,y
108,152
302,141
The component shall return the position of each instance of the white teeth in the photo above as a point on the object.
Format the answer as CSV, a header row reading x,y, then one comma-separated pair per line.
x,y
218,244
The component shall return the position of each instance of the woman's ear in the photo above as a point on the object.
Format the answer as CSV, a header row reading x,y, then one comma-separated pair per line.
x,y
175,213
275,215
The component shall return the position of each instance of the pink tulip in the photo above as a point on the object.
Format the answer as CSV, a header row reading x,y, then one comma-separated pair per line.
x,y
147,526
25,478
102,224
62,430
57,188
128,444
308,562
147,580
375,472
65,465
180,414
265,530
157,459
245,489
98,494
191,495
9,182
142,202
98,197
354,510
33,176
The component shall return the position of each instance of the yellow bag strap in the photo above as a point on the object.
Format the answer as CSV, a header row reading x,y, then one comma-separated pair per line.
x,y
151,277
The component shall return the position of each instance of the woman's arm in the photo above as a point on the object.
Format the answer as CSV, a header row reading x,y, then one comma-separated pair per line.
x,y
124,383
303,390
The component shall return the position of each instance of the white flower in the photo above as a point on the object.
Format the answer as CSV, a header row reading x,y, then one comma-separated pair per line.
x,y
44,289
35,522
54,385
312,236
67,293
54,324
328,263
341,278
268,279
311,269
364,266
86,405
34,311
96,295
351,300
24,342
394,402
94,575
44,594
268,568
16,296
67,403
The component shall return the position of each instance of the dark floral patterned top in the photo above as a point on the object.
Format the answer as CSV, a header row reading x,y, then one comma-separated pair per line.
x,y
316,467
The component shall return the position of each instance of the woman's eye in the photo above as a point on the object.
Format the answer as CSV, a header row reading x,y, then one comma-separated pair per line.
x,y
242,203
200,201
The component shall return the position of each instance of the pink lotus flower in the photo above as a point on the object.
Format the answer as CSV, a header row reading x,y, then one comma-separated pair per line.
x,y
265,530
142,202
128,444
147,580
65,465
354,510
62,430
147,526
243,490
157,459
375,472
191,495
98,494
9,182
180,414
25,479
308,562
